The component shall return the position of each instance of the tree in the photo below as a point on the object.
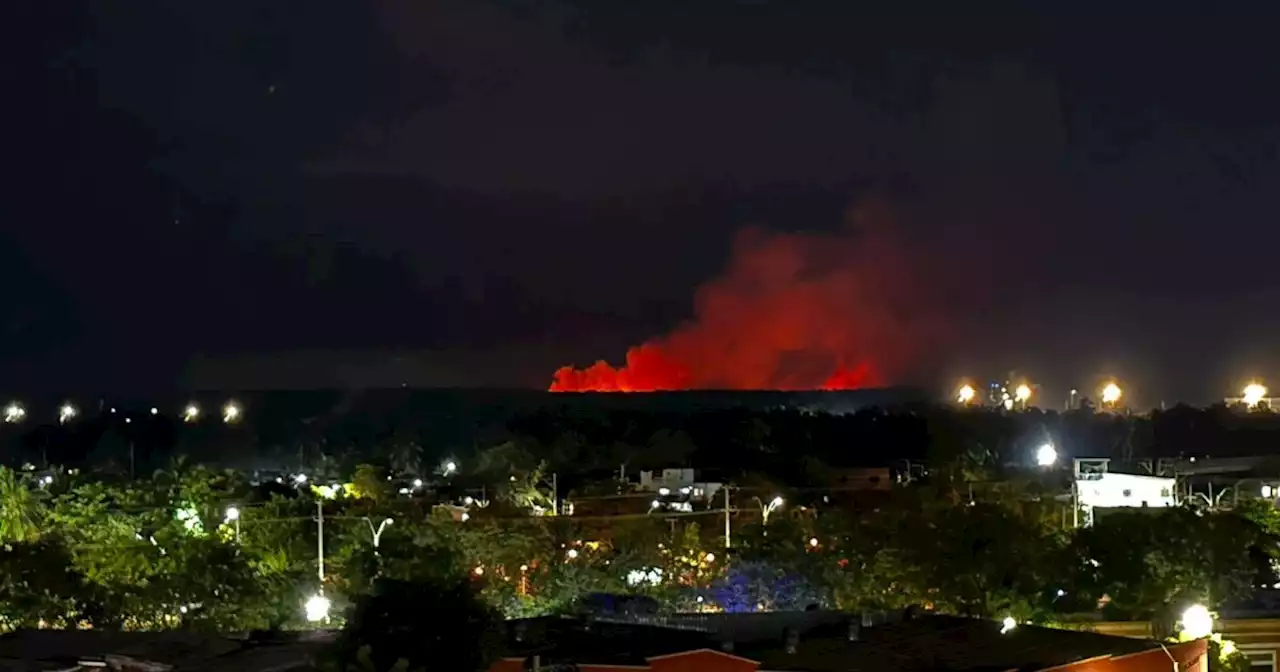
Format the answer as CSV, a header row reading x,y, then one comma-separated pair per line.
x,y
1150,563
21,513
430,625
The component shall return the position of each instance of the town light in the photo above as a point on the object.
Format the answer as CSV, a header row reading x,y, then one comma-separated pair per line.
x,y
1007,624
317,607
1022,393
966,394
231,412
14,412
233,513
1046,455
190,413
1197,622
1254,393
449,468
66,413
1111,394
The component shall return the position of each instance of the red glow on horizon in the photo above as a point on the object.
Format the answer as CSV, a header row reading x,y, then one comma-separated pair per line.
x,y
834,311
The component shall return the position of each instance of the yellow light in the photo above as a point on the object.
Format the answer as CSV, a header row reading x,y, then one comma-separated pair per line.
x,y
1254,393
1197,622
479,571
1022,393
1007,624
813,541
190,413
966,394
711,557
230,412
1111,394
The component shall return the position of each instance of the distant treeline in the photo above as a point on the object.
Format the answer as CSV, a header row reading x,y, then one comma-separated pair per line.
x,y
282,430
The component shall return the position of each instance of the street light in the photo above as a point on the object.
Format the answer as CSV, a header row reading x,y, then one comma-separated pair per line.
x,y
231,412
1046,455
377,532
317,607
966,394
1022,393
1197,622
190,413
449,468
766,509
1007,624
1111,394
233,516
1254,393
14,412
66,413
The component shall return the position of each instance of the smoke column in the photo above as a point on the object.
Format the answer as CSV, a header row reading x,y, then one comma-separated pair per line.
x,y
793,311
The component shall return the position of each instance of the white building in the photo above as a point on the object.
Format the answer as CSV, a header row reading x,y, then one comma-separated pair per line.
x,y
684,482
1096,487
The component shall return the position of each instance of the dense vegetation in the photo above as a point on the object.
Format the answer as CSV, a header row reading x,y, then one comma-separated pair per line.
x,y
161,551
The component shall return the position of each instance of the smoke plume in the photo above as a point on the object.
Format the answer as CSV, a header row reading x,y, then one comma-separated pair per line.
x,y
793,311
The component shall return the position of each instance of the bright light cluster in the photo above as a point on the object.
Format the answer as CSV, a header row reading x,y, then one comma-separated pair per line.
x,y
1254,393
1111,394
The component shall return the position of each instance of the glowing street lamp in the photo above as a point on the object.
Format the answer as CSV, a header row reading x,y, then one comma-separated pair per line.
x,y
1111,394
233,516
1197,622
66,413
1046,455
966,394
190,413
231,412
14,412
1022,394
768,508
1007,624
1254,393
449,468
317,608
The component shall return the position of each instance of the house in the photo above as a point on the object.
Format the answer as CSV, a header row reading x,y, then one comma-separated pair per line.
x,y
831,642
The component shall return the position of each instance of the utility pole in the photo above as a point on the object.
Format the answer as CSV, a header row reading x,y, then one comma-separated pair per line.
x,y
555,494
320,539
727,539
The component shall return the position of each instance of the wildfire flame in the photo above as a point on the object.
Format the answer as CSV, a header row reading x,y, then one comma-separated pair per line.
x,y
792,312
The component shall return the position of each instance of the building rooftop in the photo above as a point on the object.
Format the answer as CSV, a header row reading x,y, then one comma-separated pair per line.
x,y
820,642
37,650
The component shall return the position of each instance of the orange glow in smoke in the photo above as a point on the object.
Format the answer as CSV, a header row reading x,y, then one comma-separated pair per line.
x,y
793,311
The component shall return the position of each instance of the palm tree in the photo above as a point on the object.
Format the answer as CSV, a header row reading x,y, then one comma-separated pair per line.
x,y
20,511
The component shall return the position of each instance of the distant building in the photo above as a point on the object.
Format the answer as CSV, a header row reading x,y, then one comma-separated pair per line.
x,y
1096,487
678,483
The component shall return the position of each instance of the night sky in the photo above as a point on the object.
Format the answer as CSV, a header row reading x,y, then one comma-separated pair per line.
x,y
474,192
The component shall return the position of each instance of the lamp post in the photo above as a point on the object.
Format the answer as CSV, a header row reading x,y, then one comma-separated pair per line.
x,y
768,508
233,516
377,531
